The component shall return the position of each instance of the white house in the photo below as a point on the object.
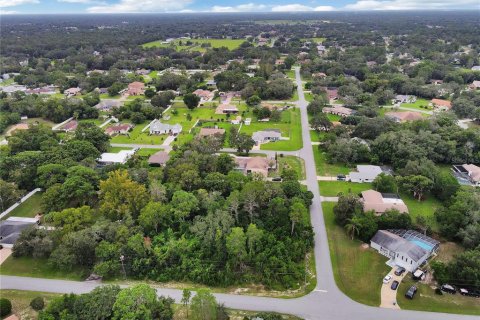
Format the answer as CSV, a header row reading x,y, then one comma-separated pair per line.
x,y
405,248
120,157
157,127
266,136
365,173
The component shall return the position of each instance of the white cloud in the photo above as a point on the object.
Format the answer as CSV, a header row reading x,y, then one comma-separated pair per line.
x,y
247,7
324,8
13,3
132,6
7,12
79,1
291,7
411,4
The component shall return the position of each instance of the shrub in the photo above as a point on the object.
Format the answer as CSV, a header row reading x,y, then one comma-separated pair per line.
x,y
5,307
37,303
438,291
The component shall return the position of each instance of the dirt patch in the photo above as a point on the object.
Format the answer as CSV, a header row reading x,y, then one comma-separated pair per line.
x,y
364,246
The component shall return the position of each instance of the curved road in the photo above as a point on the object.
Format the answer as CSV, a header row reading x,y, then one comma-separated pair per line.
x,y
324,303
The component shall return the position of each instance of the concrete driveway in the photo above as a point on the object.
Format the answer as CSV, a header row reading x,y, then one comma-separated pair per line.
x,y
4,254
389,296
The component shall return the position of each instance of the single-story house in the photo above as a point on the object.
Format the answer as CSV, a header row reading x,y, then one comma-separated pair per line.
x,y
476,68
260,165
136,88
365,173
441,104
13,88
237,120
204,132
475,85
70,126
42,90
339,111
332,93
159,158
106,105
204,95
211,83
70,92
405,248
319,75
268,135
120,157
381,202
142,72
18,126
157,127
11,229
121,128
436,82
403,98
226,109
404,116
469,173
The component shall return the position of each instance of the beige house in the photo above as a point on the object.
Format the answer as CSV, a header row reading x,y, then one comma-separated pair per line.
x,y
339,111
441,104
381,202
258,165
204,132
404,116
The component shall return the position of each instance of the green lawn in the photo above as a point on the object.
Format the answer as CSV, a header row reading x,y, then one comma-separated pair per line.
x,y
38,268
327,169
333,188
425,208
427,300
231,44
21,301
29,208
117,149
358,271
291,124
291,162
147,152
418,105
309,96
290,74
107,96
7,82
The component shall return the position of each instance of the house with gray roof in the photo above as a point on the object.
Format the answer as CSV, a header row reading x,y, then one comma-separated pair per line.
x,y
11,229
157,127
365,173
405,248
268,135
108,104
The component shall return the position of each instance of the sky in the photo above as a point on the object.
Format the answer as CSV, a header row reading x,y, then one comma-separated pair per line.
x,y
160,6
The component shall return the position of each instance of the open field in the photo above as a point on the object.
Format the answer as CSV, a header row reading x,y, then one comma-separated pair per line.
x,y
358,271
38,268
29,208
418,105
333,188
196,44
427,300
327,169
290,162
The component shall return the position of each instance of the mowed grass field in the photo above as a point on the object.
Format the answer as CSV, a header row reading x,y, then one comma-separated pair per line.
x,y
358,271
38,268
196,44
333,188
29,208
327,169
420,104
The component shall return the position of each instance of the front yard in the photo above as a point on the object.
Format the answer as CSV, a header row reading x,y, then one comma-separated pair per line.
x,y
29,208
327,169
333,188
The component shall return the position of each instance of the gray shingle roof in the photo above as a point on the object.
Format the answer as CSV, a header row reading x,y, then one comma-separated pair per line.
x,y
397,244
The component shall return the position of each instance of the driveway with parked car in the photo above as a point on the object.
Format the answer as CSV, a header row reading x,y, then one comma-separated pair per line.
x,y
389,288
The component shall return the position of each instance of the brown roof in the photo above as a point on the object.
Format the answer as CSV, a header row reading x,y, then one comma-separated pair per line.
x,y
374,200
473,171
119,127
405,116
210,132
226,108
71,125
136,85
442,103
340,110
253,164
161,157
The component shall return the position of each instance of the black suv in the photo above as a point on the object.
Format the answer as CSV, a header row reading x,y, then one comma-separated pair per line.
x,y
411,292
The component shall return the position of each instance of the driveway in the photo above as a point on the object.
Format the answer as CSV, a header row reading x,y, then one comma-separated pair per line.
x,y
4,254
389,296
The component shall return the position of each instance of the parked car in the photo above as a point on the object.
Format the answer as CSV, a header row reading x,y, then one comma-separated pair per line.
x,y
399,271
473,293
448,288
411,292
277,179
387,279
394,285
341,177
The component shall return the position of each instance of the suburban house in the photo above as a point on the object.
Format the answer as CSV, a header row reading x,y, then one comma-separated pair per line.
x,y
72,92
205,132
136,88
142,72
365,173
121,128
158,159
402,98
436,82
204,95
405,248
18,126
120,157
332,93
226,109
404,116
475,85
476,68
319,75
441,104
11,229
467,174
381,202
211,83
157,127
339,111
237,120
13,88
260,165
106,105
70,126
266,136
42,90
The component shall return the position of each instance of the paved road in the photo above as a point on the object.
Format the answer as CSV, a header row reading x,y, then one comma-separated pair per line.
x,y
326,302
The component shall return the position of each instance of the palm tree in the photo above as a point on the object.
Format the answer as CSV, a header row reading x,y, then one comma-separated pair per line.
x,y
351,228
